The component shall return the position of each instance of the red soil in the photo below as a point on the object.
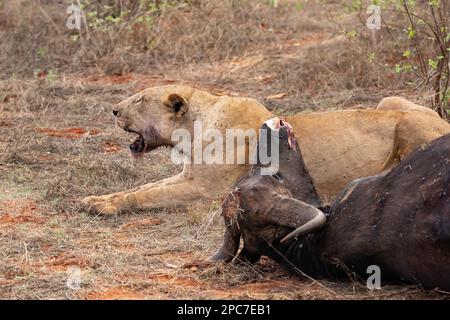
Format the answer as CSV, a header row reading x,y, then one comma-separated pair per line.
x,y
110,147
68,133
15,212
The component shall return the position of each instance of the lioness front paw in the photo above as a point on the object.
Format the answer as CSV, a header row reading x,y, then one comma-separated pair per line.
x,y
101,205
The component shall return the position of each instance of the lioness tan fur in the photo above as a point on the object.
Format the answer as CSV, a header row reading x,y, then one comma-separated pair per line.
x,y
337,146
399,103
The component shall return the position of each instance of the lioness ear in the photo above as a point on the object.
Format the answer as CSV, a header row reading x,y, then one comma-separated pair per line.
x,y
177,103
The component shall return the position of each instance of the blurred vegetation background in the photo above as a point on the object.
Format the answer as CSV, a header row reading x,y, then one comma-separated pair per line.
x,y
305,48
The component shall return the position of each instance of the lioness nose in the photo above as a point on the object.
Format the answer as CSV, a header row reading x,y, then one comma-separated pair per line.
x,y
115,113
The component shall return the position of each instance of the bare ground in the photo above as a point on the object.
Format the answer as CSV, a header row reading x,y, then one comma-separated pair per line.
x,y
58,144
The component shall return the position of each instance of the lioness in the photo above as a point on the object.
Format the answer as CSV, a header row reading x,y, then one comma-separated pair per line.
x,y
337,146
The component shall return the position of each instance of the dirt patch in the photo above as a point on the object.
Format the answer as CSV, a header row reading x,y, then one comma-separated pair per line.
x,y
22,218
19,212
64,260
68,133
111,147
142,223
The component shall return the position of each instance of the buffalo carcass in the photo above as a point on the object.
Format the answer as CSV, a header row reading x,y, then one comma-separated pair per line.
x,y
398,220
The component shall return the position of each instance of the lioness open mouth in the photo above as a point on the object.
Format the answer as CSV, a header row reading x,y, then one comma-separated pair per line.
x,y
142,145
138,146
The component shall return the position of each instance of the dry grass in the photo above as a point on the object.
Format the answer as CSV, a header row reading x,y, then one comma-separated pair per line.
x,y
58,144
43,229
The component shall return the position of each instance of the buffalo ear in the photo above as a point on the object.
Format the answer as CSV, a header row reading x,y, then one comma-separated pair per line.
x,y
177,104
